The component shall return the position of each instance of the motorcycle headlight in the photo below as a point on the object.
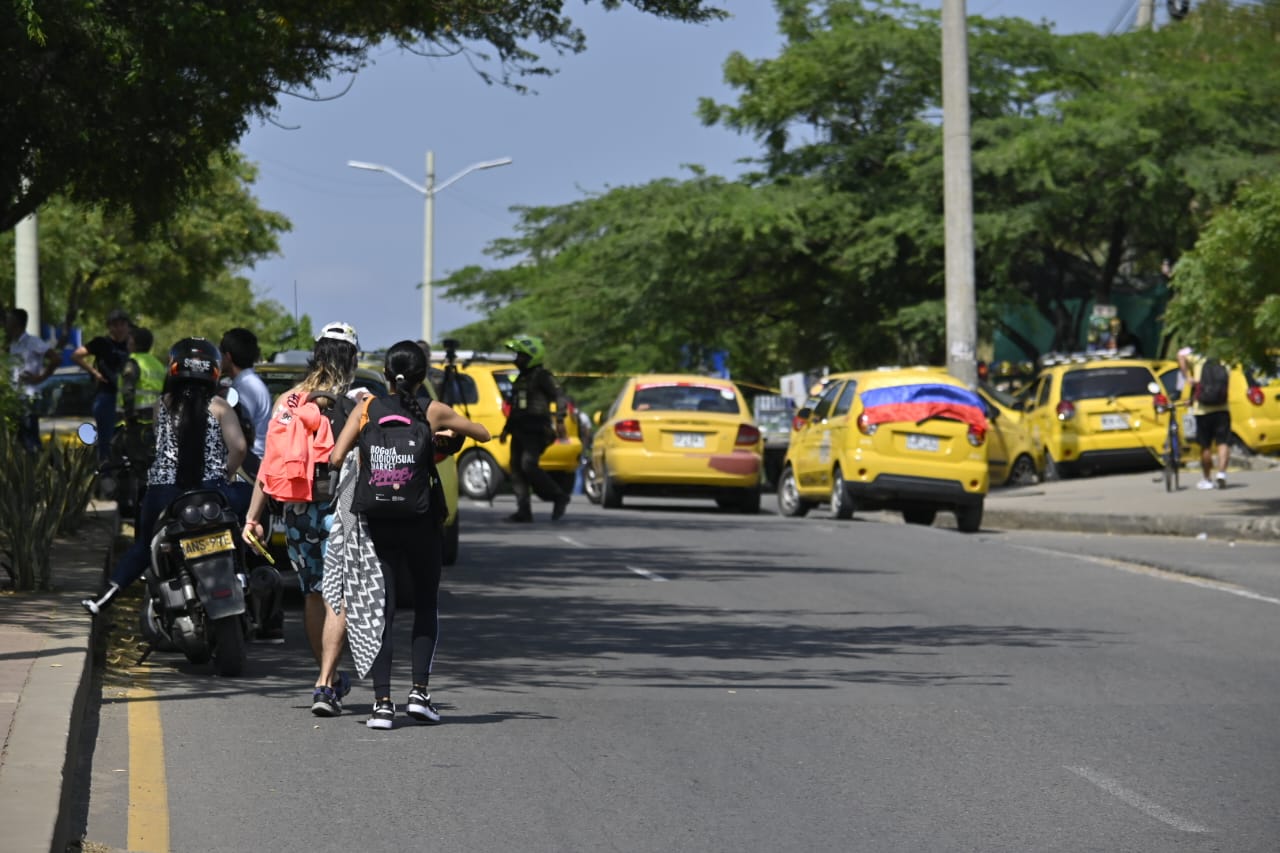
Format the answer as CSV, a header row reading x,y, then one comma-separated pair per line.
x,y
210,511
191,515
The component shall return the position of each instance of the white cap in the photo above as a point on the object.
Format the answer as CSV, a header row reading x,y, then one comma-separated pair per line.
x,y
340,332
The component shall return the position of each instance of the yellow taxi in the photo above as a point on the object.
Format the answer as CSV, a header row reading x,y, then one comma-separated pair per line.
x,y
1253,401
280,377
670,434
912,439
63,402
1095,413
1015,454
479,389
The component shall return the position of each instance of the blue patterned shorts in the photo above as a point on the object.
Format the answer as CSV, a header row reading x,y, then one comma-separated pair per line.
x,y
306,527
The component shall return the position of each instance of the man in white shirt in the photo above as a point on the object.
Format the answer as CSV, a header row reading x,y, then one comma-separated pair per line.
x,y
239,354
32,362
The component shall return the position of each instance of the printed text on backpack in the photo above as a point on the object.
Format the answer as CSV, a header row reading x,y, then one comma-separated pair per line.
x,y
396,462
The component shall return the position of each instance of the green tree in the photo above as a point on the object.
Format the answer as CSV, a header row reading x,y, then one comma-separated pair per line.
x,y
1227,289
124,103
177,278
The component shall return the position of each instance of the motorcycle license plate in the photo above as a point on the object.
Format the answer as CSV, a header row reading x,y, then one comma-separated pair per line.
x,y
202,546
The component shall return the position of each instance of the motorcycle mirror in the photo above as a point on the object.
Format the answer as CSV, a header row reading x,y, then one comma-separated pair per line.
x,y
233,397
87,433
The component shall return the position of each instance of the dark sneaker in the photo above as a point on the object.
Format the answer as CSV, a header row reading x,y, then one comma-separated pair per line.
x,y
383,716
420,708
523,516
341,684
557,509
102,602
324,703
1221,481
274,636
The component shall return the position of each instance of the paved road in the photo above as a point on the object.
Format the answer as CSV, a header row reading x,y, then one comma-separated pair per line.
x,y
667,677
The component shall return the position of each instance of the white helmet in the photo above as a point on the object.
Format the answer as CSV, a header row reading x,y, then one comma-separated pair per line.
x,y
340,332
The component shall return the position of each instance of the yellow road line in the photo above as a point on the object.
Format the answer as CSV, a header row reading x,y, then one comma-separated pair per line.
x,y
148,788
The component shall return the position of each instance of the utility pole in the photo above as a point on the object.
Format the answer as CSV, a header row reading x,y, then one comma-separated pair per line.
x,y
428,249
26,257
962,313
1146,15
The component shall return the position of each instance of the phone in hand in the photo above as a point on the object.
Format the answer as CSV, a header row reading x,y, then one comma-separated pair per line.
x,y
258,546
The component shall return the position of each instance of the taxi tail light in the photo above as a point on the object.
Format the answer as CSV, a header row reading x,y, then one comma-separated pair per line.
x,y
506,409
1256,396
1066,410
977,435
1162,403
440,457
865,426
628,430
747,435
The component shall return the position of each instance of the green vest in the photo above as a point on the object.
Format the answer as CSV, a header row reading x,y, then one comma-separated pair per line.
x,y
151,375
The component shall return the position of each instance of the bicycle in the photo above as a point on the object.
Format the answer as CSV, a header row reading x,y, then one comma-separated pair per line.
x,y
1171,453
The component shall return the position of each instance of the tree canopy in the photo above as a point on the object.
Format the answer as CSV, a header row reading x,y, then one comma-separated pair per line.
x,y
179,278
123,103
1095,158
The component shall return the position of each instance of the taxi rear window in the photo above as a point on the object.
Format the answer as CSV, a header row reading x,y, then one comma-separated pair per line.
x,y
685,397
1102,382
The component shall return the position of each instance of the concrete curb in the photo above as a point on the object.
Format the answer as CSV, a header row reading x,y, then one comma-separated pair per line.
x,y
1243,528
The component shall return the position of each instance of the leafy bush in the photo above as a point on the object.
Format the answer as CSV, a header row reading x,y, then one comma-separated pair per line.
x,y
45,494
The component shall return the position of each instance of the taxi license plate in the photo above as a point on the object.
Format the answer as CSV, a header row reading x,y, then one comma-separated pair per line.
x,y
694,440
200,546
1115,421
922,442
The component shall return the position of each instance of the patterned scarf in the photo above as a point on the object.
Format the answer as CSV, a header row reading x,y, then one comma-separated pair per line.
x,y
353,574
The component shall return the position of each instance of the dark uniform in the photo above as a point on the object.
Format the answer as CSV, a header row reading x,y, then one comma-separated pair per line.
x,y
530,428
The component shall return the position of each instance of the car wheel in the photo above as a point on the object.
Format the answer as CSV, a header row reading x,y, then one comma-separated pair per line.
x,y
1023,472
790,503
969,518
610,491
479,475
919,516
841,502
449,547
591,484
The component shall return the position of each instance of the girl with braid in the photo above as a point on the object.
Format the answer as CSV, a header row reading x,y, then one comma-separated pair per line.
x,y
408,547
198,441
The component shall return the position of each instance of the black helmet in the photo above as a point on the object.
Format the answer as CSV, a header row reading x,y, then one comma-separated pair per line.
x,y
195,359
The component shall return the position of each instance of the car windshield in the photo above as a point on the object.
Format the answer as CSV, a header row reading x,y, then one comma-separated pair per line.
x,y
1103,382
685,397
1004,398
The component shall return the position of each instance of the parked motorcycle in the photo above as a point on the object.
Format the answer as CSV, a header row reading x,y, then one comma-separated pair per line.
x,y
197,585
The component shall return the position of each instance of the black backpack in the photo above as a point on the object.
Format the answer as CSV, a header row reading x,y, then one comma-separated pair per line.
x,y
1212,390
396,463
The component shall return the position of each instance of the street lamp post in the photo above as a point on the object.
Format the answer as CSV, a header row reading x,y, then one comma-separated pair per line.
x,y
428,192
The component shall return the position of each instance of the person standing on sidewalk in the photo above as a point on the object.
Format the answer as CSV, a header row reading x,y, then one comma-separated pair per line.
x,y
110,354
1213,416
530,429
34,361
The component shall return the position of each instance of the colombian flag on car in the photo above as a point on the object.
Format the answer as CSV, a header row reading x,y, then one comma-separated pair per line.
x,y
919,403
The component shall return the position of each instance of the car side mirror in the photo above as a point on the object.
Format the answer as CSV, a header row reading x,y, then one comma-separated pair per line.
x,y
596,417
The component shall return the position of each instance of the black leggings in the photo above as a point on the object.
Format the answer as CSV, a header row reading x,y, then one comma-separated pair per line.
x,y
408,548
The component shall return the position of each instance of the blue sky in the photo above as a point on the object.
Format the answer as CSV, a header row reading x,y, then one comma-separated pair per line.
x,y
622,113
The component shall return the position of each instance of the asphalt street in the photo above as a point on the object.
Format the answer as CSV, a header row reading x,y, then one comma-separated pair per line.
x,y
670,677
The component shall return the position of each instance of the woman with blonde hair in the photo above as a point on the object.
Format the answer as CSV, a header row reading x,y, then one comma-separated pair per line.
x,y
294,465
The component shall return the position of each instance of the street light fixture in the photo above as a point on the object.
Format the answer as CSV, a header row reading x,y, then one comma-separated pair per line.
x,y
428,192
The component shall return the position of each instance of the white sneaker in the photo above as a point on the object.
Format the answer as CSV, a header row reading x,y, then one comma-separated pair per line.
x,y
1221,480
1205,485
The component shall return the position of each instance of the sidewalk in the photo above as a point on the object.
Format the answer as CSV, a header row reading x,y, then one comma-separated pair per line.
x,y
46,669
46,645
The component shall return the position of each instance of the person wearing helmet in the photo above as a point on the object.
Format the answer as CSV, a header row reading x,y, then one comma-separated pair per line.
x,y
294,432
198,443
240,352
529,426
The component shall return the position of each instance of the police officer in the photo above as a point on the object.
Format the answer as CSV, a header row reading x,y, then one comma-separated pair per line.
x,y
142,378
529,426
